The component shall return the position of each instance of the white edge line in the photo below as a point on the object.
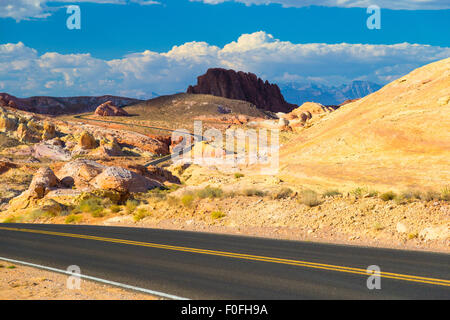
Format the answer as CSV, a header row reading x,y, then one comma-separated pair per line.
x,y
116,284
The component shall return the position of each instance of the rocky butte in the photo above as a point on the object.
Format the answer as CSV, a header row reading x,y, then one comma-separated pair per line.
x,y
241,86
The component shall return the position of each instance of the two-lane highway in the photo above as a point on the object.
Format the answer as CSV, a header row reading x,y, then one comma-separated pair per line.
x,y
210,266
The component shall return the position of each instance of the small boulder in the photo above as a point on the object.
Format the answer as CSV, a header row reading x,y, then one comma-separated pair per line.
x,y
108,109
7,123
123,180
435,233
43,181
49,131
401,227
87,141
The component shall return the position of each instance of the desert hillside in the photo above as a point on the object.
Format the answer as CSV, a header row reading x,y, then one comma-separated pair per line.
x,y
397,137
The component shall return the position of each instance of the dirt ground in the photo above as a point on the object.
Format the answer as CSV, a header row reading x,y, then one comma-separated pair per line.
x,y
26,283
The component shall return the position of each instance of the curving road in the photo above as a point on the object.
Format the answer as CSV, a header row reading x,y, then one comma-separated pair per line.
x,y
211,266
156,161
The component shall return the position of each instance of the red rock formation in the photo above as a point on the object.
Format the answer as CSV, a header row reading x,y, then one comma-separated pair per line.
x,y
242,86
108,109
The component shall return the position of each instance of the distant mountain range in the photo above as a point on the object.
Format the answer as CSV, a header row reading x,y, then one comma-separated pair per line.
x,y
61,105
299,93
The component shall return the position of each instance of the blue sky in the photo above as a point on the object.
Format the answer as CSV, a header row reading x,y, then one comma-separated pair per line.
x,y
127,47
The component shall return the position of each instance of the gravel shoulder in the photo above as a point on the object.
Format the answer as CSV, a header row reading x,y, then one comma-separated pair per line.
x,y
26,283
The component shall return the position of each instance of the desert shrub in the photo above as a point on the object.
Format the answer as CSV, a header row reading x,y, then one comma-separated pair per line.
x,y
140,214
39,213
173,201
92,205
387,196
115,208
187,199
230,194
210,192
410,195
358,192
238,175
73,218
253,192
283,193
331,193
309,198
131,205
377,226
217,215
413,235
430,196
445,193
12,220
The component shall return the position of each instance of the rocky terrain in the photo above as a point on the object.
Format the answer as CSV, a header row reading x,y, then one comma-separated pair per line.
x,y
241,86
61,105
370,172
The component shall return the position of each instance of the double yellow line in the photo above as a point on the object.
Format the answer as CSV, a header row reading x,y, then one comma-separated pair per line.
x,y
306,264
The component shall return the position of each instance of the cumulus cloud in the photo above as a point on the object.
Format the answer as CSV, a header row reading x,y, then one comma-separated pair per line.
x,y
388,4
24,72
26,9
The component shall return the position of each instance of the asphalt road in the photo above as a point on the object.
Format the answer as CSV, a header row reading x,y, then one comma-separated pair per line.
x,y
210,266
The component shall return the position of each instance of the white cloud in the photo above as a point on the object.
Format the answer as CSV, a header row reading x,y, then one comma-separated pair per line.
x,y
26,9
24,72
388,4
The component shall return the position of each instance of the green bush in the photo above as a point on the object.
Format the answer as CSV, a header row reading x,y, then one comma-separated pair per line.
x,y
140,214
187,199
73,218
377,226
238,175
430,196
217,215
91,205
283,193
445,193
131,205
115,208
309,198
210,192
387,196
253,192
332,193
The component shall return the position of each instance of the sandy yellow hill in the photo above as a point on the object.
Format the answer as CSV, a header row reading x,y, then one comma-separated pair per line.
x,y
397,137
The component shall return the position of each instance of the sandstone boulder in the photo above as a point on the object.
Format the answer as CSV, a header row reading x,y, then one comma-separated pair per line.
x,y
26,134
81,171
123,180
108,109
7,123
43,181
87,141
51,151
49,131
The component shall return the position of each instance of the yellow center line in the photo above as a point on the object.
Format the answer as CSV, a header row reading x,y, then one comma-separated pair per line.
x,y
299,263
